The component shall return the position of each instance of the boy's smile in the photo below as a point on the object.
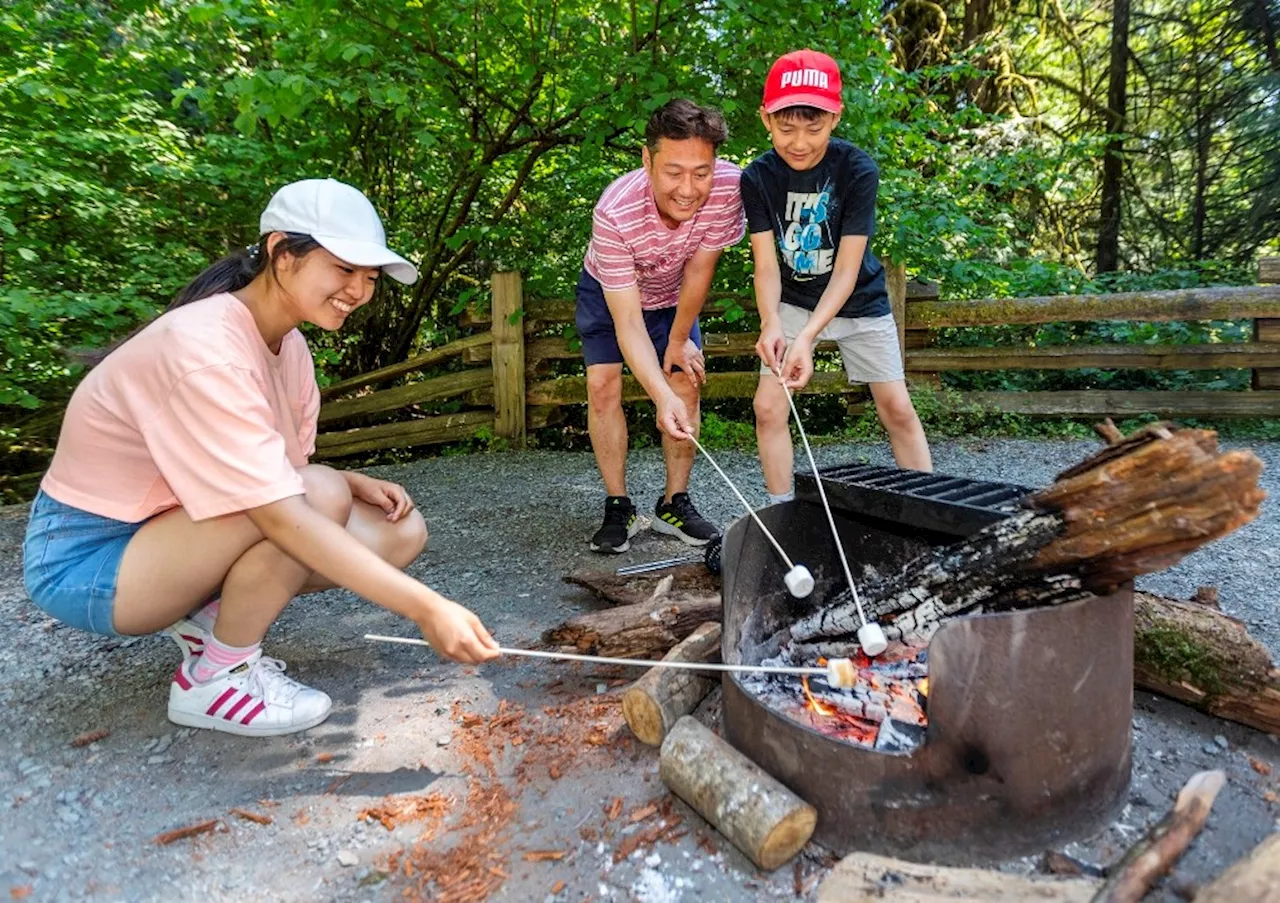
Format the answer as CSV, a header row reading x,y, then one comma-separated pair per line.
x,y
799,141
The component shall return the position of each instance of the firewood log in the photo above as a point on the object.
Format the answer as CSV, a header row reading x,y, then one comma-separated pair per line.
x,y
758,815
868,878
644,630
690,580
655,702
1254,879
1130,879
1132,509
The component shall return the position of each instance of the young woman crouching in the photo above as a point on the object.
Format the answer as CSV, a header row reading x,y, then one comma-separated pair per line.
x,y
181,476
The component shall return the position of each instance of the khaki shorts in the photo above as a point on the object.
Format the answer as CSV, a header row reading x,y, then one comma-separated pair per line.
x,y
868,345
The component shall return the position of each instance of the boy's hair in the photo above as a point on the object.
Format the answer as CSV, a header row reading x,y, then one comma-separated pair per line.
x,y
680,119
802,112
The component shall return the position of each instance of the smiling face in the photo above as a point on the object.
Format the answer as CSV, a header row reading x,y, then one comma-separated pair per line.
x,y
681,173
799,141
322,289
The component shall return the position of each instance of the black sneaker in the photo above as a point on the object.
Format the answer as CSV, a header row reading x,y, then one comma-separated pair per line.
x,y
680,519
620,524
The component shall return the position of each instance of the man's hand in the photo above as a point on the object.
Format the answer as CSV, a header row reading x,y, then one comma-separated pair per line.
x,y
688,357
772,344
797,365
673,416
390,497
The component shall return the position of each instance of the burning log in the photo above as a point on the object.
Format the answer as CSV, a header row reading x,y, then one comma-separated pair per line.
x,y
655,702
758,815
867,877
1155,854
1253,879
1131,509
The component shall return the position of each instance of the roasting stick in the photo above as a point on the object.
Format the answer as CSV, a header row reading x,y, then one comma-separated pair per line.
x,y
839,672
870,636
798,579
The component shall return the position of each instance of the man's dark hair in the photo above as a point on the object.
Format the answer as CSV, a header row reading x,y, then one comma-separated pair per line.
x,y
804,113
680,119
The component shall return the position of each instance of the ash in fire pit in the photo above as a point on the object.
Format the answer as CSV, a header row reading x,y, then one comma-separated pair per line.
x,y
885,711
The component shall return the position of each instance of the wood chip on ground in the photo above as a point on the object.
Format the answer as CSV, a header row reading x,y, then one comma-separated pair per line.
x,y
545,855
394,811
90,737
257,817
203,827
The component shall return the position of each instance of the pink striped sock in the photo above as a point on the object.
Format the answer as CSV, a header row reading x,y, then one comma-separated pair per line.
x,y
217,656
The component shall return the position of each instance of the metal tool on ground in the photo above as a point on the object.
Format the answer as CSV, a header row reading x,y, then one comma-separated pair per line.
x,y
798,579
870,636
839,672
710,557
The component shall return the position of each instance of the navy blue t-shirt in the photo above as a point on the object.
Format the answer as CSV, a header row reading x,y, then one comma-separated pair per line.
x,y
808,213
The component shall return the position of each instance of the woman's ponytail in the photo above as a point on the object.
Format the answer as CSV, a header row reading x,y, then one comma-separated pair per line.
x,y
229,274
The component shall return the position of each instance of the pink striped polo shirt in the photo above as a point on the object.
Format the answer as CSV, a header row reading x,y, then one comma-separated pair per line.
x,y
630,245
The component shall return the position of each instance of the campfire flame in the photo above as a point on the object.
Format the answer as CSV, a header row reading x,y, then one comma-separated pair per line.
x,y
813,704
922,687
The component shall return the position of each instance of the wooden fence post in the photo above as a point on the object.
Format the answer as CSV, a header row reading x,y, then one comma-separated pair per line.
x,y
895,281
1267,330
508,358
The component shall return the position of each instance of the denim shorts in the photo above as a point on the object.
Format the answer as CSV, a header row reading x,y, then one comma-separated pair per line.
x,y
599,335
71,560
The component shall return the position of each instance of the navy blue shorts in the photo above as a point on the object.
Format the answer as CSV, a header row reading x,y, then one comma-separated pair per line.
x,y
600,338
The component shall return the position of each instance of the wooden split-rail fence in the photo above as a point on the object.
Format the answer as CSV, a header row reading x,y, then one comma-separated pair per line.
x,y
507,389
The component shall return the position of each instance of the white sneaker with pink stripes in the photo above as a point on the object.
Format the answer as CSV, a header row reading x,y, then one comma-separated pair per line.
x,y
189,636
253,698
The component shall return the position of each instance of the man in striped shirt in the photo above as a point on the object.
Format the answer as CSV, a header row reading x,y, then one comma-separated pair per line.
x,y
656,235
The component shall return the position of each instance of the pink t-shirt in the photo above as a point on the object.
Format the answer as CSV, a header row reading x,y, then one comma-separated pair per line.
x,y
630,245
194,411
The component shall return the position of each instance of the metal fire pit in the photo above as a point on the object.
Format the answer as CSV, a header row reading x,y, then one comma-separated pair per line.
x,y
1029,713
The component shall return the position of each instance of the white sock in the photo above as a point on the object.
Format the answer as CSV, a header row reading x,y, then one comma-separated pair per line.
x,y
787,496
205,617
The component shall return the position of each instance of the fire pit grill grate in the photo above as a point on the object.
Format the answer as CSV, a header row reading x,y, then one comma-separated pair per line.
x,y
956,506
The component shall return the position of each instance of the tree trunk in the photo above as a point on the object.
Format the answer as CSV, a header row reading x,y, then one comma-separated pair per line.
x,y
758,815
1108,258
655,702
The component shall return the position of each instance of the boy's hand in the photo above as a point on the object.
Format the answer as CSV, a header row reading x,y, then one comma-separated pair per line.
x,y
772,344
673,416
688,357
797,365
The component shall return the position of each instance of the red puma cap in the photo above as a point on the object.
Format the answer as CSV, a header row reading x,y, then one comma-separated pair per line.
x,y
803,78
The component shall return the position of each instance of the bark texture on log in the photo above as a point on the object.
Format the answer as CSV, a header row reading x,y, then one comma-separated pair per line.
x,y
759,816
647,629
868,878
1199,656
1254,879
655,702
1130,879
1136,507
689,581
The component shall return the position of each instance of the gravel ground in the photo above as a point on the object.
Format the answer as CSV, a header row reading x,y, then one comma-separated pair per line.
x,y
78,822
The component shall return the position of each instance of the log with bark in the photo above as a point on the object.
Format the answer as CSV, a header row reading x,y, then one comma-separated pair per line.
x,y
655,702
1134,508
868,878
758,815
642,629
1254,879
1156,852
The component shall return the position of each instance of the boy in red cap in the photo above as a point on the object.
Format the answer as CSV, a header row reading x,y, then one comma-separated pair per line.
x,y
815,197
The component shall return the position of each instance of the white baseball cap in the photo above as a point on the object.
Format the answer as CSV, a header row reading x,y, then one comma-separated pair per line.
x,y
341,219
